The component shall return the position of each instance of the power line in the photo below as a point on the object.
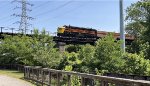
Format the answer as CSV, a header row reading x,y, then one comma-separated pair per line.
x,y
42,4
67,12
55,9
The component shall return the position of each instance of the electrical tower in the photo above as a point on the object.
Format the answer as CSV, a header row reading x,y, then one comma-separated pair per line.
x,y
23,23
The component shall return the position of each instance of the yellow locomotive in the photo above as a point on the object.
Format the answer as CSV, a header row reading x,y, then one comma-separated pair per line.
x,y
72,31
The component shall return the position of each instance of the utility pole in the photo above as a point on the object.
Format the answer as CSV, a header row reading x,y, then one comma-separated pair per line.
x,y
24,17
12,30
2,29
122,34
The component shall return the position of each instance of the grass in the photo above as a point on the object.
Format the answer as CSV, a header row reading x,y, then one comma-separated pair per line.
x,y
12,73
15,74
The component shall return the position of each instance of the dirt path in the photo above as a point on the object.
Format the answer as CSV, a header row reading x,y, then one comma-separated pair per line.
x,y
10,81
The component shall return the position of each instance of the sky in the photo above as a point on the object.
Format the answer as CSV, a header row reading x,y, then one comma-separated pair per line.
x,y
102,15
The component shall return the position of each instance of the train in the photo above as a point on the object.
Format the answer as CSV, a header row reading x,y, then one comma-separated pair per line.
x,y
80,35
80,32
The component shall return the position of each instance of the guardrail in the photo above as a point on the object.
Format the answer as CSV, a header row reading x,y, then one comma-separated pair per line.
x,y
51,77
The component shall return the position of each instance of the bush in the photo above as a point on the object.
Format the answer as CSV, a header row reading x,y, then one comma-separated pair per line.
x,y
136,64
86,55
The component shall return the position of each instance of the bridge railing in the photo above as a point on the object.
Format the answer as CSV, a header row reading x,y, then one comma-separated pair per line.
x,y
50,77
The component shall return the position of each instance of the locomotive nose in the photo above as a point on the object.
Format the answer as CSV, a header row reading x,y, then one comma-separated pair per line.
x,y
61,29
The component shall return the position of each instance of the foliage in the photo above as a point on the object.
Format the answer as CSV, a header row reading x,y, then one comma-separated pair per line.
x,y
108,55
86,55
138,15
105,56
16,49
45,53
138,18
136,64
70,61
73,48
75,81
36,50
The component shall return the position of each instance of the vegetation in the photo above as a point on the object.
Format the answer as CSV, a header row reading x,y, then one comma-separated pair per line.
x,y
36,50
105,56
138,18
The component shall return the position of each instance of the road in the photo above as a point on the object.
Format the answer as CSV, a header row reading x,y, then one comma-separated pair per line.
x,y
10,81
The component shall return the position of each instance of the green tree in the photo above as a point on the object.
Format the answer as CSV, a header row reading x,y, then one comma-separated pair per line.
x,y
108,55
138,15
36,50
136,64
138,18
16,49
45,52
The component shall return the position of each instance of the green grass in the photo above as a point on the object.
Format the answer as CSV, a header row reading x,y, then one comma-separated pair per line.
x,y
12,73
15,74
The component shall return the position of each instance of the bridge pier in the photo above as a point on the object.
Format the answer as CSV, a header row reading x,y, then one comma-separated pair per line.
x,y
61,46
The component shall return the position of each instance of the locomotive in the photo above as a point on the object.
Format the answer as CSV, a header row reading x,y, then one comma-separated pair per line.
x,y
80,32
71,34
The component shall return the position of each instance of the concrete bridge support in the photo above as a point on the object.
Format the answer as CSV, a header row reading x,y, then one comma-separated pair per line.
x,y
61,46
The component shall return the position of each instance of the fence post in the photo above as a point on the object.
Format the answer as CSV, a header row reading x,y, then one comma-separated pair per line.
x,y
42,77
82,81
104,83
31,73
58,79
38,68
29,70
24,72
49,78
69,80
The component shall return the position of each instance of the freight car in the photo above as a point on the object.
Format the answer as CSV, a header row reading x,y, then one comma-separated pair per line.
x,y
72,31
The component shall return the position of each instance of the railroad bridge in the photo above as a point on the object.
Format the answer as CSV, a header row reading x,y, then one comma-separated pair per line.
x,y
62,41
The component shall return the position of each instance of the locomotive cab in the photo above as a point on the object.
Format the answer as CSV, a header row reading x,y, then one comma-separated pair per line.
x,y
60,31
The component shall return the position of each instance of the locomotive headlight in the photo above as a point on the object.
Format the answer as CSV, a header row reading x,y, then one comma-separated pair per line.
x,y
61,29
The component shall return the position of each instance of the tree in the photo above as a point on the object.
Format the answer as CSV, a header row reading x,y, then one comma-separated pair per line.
x,y
108,55
16,49
45,52
36,50
138,18
138,15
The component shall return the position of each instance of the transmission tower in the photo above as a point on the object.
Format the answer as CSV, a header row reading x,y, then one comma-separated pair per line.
x,y
23,23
